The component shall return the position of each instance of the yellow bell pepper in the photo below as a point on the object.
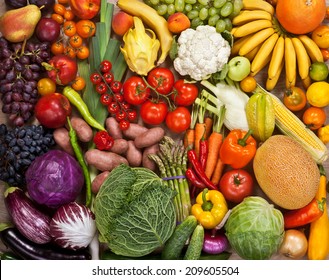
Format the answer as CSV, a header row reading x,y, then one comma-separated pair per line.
x,y
140,49
318,241
323,134
210,208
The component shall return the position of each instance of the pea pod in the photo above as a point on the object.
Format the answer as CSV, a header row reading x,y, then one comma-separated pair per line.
x,y
260,116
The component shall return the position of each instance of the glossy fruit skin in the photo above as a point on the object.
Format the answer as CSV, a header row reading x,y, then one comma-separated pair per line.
x,y
184,94
63,69
236,184
135,90
85,9
162,79
178,120
153,113
52,110
86,28
314,117
47,30
294,99
46,86
321,36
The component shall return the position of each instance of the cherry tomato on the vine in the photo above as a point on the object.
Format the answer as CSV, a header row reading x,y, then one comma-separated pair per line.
x,y
119,97
106,99
125,105
82,52
184,94
162,79
178,120
108,77
101,88
135,90
236,184
69,28
75,41
314,117
86,28
153,113
95,78
294,99
116,86
124,124
113,107
57,48
79,83
105,66
132,115
121,115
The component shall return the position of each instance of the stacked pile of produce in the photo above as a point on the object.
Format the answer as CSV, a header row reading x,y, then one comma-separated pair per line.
x,y
165,129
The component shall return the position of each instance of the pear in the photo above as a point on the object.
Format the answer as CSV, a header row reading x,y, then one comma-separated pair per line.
x,y
16,25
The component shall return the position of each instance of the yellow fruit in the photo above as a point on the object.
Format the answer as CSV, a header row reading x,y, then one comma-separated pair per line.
x,y
286,172
248,84
317,94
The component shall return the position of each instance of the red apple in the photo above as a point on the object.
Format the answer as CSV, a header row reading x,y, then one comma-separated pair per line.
x,y
52,110
85,9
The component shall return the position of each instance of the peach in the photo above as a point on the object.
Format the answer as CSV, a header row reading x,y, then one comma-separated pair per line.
x,y
321,36
122,22
178,22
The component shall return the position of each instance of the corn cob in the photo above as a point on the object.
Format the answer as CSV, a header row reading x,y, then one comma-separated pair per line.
x,y
289,124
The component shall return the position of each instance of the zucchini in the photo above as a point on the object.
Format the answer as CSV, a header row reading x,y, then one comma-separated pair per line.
x,y
175,244
194,248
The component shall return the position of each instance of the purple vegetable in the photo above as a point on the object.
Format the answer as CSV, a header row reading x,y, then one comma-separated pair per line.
x,y
73,226
54,179
215,243
28,219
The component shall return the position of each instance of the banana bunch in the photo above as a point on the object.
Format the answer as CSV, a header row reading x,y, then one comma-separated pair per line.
x,y
259,37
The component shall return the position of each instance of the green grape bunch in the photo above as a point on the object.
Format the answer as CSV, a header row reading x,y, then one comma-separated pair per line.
x,y
217,13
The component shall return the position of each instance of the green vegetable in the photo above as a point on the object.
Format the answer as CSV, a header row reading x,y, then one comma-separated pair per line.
x,y
134,211
255,229
174,246
194,248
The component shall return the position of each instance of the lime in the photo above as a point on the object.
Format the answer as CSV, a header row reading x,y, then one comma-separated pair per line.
x,y
318,71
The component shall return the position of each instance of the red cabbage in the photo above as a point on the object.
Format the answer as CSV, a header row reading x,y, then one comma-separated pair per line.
x,y
54,179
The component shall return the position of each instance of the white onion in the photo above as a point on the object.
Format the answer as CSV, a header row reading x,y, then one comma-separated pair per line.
x,y
73,226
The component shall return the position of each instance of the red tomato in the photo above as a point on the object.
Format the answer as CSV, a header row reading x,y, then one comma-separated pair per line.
x,y
236,184
178,120
153,113
162,79
184,94
135,90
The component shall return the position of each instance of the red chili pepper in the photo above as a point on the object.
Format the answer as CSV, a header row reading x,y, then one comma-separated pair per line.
x,y
193,179
192,157
305,215
203,152
103,140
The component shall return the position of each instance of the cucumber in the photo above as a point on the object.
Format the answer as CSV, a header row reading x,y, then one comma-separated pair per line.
x,y
194,248
175,244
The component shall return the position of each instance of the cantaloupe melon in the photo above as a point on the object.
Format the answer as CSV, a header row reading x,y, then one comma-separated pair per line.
x,y
286,172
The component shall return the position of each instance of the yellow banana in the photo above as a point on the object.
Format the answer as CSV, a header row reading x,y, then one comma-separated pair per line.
x,y
246,16
264,52
250,55
307,82
277,58
154,21
303,60
256,39
252,27
237,44
290,62
258,5
272,81
312,48
261,66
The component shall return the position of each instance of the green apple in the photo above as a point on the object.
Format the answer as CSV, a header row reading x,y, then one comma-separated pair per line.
x,y
238,68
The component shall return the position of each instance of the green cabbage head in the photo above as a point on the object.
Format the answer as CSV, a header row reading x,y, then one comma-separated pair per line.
x,y
255,229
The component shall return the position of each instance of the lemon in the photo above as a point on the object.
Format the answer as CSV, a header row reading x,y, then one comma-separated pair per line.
x,y
319,71
317,94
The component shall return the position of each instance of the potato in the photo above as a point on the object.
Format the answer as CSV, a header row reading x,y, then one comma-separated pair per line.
x,y
149,163
103,160
112,127
120,146
62,139
134,155
134,130
98,181
82,128
149,138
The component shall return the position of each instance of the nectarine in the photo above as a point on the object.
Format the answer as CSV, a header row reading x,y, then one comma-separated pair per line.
x,y
321,36
122,22
178,22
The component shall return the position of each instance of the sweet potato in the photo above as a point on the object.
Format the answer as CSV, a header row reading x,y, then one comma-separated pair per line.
x,y
133,155
134,130
82,128
112,127
120,146
149,137
62,139
146,162
103,160
98,181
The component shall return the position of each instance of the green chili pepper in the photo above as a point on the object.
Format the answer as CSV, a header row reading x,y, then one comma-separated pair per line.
x,y
75,98
8,256
79,156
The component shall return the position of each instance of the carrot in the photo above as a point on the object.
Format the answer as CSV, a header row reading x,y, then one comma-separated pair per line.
x,y
217,174
214,142
208,122
200,127
189,137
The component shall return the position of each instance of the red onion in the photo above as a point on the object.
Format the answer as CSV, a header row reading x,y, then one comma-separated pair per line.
x,y
215,243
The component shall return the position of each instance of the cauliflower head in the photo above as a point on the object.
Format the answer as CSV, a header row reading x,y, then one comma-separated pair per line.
x,y
201,52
